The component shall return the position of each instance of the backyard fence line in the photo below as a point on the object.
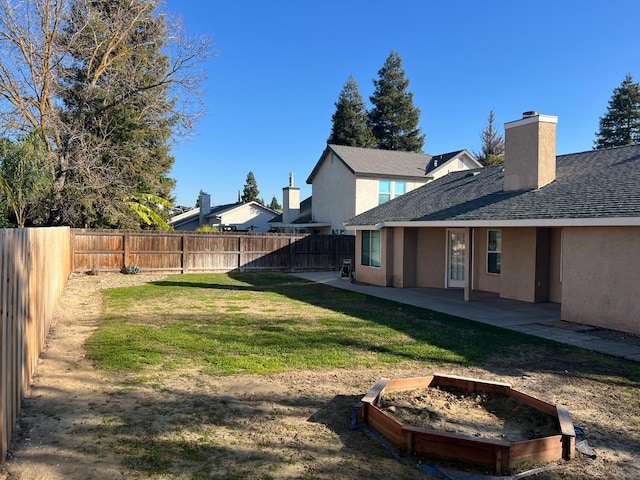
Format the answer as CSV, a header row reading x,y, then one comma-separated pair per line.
x,y
34,266
198,252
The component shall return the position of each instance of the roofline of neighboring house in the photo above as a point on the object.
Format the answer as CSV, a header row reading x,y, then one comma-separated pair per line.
x,y
530,222
316,167
300,225
378,175
390,176
458,155
184,215
236,206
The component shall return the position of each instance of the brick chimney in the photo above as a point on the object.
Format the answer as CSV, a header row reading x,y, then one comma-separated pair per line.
x,y
290,202
530,152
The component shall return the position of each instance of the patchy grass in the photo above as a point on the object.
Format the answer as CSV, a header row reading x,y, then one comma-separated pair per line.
x,y
269,323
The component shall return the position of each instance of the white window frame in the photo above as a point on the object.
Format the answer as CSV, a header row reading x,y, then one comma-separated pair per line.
x,y
392,191
371,248
495,250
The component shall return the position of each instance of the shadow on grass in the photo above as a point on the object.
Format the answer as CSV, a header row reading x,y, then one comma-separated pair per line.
x,y
475,343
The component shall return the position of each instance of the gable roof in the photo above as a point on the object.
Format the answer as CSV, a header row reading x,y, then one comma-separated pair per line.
x,y
214,211
439,161
376,162
597,187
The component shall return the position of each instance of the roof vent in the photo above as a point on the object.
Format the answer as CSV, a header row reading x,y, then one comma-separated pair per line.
x,y
530,113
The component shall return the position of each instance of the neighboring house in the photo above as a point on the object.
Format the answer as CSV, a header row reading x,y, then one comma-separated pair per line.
x,y
349,180
542,228
250,216
296,215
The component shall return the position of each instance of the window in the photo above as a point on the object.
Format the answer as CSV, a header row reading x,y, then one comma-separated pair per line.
x,y
386,193
370,251
494,250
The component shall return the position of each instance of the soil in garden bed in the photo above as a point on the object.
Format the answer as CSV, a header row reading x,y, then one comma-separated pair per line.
x,y
484,415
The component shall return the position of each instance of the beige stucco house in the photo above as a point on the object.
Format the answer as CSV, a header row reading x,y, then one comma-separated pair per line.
x,y
543,228
249,216
349,180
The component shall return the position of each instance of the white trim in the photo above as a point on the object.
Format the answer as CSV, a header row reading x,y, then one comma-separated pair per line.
x,y
531,119
530,222
447,273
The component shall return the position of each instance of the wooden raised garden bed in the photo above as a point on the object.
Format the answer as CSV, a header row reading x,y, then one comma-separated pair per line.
x,y
499,455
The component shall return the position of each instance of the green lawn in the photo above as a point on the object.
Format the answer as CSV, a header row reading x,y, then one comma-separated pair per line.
x,y
267,323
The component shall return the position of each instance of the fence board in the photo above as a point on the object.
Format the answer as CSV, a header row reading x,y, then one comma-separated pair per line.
x,y
34,266
185,252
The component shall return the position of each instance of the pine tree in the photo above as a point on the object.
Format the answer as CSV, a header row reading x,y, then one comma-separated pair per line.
x,y
492,150
250,191
621,124
394,119
350,122
274,205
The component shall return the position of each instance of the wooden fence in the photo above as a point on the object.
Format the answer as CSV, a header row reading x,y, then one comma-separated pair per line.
x,y
34,266
36,262
191,252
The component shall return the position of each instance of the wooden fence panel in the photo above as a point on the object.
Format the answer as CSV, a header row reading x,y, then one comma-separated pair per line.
x,y
184,252
34,266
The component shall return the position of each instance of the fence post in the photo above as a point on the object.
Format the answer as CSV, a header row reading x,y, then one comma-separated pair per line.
x,y
182,255
292,257
240,253
125,253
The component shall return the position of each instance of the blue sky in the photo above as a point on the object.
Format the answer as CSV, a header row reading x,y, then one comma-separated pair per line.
x,y
281,64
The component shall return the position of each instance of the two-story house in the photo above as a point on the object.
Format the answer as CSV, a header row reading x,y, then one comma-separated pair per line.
x,y
347,181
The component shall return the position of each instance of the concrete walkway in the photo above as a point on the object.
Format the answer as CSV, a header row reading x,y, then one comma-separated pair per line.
x,y
539,319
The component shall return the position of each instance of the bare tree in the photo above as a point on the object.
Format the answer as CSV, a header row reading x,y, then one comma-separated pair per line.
x,y
110,85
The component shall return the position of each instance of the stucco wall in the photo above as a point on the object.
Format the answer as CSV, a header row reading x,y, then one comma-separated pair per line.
x,y
555,280
530,159
431,248
600,277
517,277
333,192
376,275
403,267
486,282
368,189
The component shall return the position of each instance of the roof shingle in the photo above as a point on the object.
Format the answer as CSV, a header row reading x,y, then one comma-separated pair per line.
x,y
593,184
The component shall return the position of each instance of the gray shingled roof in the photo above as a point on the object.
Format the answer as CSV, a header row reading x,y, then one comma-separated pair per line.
x,y
593,184
372,161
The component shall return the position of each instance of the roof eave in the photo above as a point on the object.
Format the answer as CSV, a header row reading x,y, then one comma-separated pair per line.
x,y
532,222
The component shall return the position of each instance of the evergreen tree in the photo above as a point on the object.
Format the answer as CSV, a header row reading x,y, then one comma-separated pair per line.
x,y
274,205
394,119
621,124
492,150
350,125
108,85
121,113
250,191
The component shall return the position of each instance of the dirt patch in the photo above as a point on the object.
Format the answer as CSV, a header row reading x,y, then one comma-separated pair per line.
x,y
481,415
80,423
